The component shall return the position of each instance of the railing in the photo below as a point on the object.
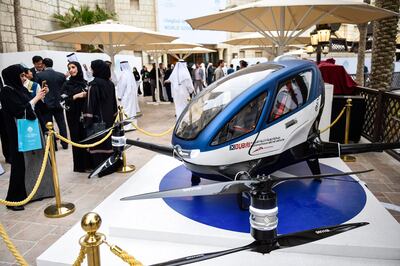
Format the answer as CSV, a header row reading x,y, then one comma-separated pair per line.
x,y
382,117
395,80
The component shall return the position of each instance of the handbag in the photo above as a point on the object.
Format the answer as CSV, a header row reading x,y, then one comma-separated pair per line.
x,y
29,138
96,126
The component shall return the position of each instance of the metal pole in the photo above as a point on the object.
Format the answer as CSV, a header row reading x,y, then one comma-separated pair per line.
x,y
318,51
124,168
112,53
281,34
90,223
157,95
60,209
348,158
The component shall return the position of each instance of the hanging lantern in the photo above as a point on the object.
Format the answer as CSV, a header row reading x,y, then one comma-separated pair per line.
x,y
314,38
309,49
324,34
325,50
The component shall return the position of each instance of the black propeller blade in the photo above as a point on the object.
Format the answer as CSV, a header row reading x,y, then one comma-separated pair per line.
x,y
282,241
108,166
98,134
284,178
205,256
116,124
231,187
304,237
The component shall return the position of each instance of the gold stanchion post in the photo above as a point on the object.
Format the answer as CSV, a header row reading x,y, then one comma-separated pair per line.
x,y
348,158
90,223
60,209
124,168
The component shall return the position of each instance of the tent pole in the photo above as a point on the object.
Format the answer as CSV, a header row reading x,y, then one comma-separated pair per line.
x,y
156,93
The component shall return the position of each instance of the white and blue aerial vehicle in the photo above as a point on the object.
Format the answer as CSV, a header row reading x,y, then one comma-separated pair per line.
x,y
253,122
241,129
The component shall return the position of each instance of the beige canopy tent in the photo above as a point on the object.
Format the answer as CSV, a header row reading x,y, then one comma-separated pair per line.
x,y
185,53
290,18
163,47
111,34
256,38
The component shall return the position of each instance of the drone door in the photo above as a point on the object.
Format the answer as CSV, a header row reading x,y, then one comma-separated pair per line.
x,y
290,118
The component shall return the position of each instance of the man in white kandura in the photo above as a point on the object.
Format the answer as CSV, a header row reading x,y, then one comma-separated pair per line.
x,y
127,91
181,86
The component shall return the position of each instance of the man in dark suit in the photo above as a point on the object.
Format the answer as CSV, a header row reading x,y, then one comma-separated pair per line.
x,y
54,81
37,61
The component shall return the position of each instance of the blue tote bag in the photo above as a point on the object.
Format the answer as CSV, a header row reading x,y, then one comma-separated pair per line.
x,y
29,138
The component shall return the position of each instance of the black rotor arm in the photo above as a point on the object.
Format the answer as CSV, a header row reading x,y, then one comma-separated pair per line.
x,y
165,150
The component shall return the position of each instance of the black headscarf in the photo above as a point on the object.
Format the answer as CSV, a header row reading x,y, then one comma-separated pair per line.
x,y
11,76
100,69
78,78
14,96
75,84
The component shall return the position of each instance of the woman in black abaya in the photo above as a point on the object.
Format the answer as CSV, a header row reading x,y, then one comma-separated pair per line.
x,y
16,104
101,106
75,91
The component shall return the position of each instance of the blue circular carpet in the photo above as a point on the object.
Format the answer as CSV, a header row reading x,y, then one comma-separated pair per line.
x,y
302,205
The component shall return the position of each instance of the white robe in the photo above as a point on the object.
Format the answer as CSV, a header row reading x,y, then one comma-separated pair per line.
x,y
127,92
181,94
181,87
138,82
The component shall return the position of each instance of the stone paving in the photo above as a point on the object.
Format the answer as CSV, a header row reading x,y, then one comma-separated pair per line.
x,y
33,233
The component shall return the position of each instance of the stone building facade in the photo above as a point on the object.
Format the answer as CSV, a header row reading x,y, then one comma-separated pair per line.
x,y
37,18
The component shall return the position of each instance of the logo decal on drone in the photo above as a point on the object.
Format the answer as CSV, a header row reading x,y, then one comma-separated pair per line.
x,y
239,146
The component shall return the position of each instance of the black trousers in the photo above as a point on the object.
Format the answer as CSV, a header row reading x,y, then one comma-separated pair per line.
x,y
58,114
153,90
168,89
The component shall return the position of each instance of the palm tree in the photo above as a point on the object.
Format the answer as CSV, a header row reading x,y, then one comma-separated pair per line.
x,y
83,16
384,46
362,28
18,25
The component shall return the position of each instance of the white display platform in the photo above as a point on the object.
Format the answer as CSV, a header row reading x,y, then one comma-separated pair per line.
x,y
152,232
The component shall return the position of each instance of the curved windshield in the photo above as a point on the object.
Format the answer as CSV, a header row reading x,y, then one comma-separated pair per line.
x,y
204,108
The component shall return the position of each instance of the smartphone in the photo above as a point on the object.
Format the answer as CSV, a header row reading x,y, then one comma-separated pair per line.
x,y
44,82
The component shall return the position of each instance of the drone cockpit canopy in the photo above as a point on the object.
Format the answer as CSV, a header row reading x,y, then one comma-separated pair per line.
x,y
204,108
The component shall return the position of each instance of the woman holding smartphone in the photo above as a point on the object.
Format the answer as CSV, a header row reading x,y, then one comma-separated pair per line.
x,y
74,93
17,103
